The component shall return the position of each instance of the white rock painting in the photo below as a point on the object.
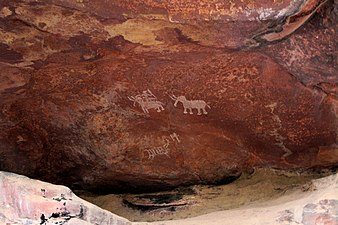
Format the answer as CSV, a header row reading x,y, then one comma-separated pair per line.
x,y
175,137
147,100
163,149
189,105
160,150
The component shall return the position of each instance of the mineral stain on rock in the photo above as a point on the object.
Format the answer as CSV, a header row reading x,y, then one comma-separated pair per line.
x,y
8,55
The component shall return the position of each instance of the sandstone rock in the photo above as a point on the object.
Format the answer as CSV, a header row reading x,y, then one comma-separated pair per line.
x,y
318,206
27,201
88,90
24,201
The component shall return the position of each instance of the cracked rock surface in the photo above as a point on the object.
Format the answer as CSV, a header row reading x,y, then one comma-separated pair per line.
x,y
117,95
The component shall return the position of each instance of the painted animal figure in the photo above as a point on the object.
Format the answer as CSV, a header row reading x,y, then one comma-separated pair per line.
x,y
147,101
160,150
191,104
146,105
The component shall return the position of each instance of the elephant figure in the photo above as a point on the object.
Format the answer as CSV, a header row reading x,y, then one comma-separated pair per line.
x,y
191,104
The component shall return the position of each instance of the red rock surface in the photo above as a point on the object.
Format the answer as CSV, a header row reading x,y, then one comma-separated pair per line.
x,y
75,75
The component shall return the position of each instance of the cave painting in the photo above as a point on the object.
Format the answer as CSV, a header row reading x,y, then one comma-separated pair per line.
x,y
160,150
191,104
175,137
147,100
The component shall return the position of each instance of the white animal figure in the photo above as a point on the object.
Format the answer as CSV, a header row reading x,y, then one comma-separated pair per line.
x,y
191,104
160,150
147,100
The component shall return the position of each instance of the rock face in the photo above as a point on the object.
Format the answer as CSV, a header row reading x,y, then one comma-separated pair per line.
x,y
27,201
153,94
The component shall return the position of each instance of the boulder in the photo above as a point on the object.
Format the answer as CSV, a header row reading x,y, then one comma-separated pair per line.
x,y
27,201
144,95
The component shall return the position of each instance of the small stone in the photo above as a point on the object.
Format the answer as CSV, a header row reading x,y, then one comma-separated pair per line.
x,y
5,11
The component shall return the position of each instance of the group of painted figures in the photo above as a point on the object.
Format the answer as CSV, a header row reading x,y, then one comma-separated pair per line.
x,y
147,100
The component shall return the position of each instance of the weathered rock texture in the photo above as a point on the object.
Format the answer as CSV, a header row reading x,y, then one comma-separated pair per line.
x,y
318,206
87,89
27,201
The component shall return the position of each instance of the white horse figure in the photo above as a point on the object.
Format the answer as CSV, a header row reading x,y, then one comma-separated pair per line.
x,y
191,104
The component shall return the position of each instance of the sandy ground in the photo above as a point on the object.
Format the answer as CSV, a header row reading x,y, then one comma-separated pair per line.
x,y
249,191
316,206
